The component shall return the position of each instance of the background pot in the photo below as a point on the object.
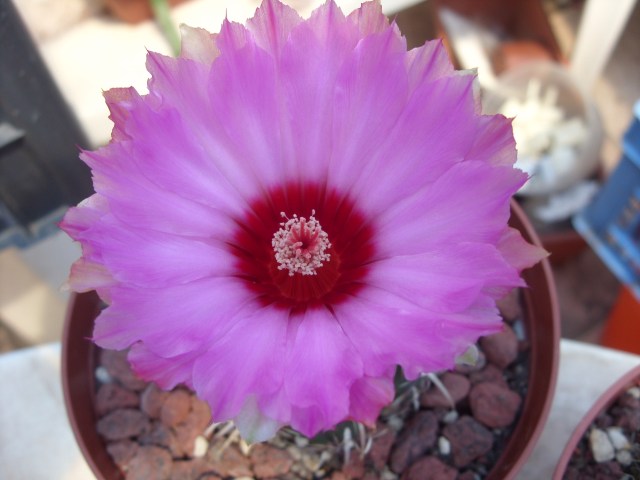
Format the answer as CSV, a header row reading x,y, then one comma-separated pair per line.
x,y
602,404
79,356
133,11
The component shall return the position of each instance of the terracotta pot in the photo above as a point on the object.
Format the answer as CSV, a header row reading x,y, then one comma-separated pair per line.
x,y
602,404
133,11
521,23
79,356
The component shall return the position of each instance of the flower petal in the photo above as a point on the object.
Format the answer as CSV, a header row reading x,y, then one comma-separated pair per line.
x,y
370,94
518,252
448,279
428,63
494,142
253,424
150,161
321,366
310,63
369,18
81,218
368,396
86,276
434,217
149,315
247,116
198,44
424,143
154,259
248,360
272,25
391,326
168,372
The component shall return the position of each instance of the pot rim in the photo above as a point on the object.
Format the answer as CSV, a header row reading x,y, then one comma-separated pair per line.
x,y
602,403
543,352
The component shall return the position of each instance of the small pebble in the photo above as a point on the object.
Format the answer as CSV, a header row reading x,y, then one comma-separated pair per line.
x,y
175,408
201,445
634,392
444,446
450,417
102,375
501,348
601,446
388,475
624,457
618,438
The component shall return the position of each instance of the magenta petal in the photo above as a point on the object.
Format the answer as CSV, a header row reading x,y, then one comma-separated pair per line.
x,y
494,142
428,63
155,259
151,161
247,119
149,315
134,200
248,360
370,94
440,280
424,143
319,391
391,325
313,55
368,396
81,218
168,372
479,210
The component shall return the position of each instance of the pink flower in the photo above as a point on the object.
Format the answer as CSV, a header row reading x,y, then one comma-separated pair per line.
x,y
296,208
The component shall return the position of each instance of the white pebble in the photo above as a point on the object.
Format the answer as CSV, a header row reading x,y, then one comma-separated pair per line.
x,y
634,392
444,446
624,457
301,441
201,445
294,453
601,447
388,475
395,423
450,416
618,439
102,375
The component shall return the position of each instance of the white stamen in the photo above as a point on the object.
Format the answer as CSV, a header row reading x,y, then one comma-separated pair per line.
x,y
300,245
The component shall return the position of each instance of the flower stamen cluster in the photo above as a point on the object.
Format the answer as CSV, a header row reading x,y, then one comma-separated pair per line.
x,y
300,245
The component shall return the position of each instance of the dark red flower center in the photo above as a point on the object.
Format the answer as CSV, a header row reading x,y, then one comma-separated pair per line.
x,y
301,245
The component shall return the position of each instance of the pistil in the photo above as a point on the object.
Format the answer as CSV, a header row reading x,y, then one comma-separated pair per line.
x,y
300,245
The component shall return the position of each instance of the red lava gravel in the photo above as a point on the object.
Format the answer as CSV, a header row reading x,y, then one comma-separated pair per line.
x,y
152,434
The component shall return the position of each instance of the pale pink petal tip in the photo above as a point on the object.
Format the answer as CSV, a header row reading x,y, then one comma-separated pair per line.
x,y
518,252
253,425
86,276
198,44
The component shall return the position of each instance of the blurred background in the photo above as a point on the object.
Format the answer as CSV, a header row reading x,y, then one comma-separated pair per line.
x,y
568,70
